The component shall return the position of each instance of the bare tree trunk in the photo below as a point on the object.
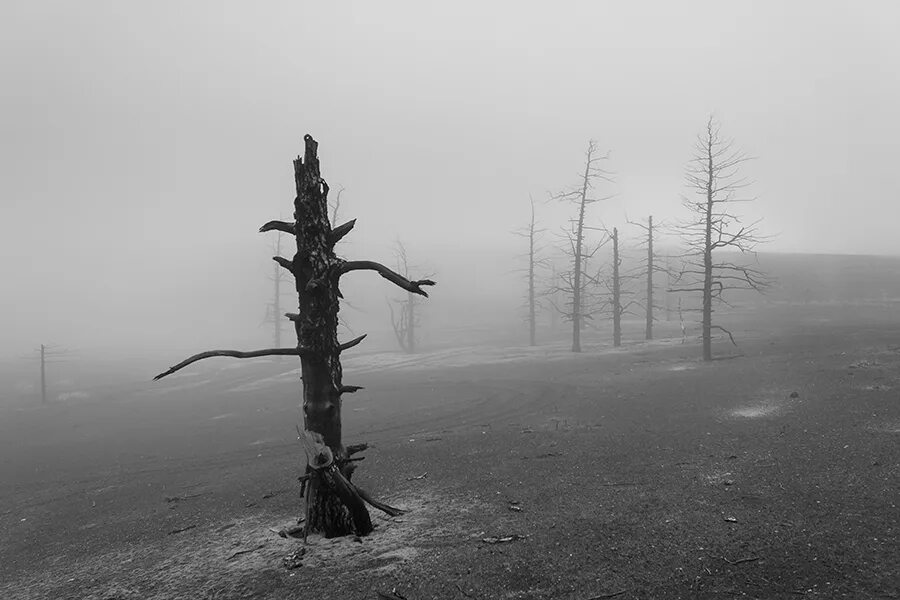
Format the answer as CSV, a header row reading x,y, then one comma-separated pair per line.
x,y
276,301
668,288
532,323
577,316
648,332
411,324
554,295
43,376
405,327
617,292
706,330
316,271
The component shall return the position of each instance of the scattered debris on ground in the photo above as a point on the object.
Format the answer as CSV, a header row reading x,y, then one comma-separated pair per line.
x,y
174,531
503,539
248,551
294,559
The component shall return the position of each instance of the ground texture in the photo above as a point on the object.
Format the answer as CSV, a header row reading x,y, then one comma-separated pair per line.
x,y
634,473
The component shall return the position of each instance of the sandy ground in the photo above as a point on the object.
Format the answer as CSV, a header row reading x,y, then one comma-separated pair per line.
x,y
627,473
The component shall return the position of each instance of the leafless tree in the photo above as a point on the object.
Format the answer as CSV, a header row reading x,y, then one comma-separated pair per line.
x,y
334,505
574,283
274,315
713,173
336,205
617,298
47,354
532,233
618,304
406,319
649,266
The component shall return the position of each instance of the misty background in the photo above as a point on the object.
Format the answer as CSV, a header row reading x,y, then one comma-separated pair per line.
x,y
143,144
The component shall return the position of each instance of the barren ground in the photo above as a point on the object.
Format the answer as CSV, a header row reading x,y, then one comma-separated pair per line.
x,y
640,473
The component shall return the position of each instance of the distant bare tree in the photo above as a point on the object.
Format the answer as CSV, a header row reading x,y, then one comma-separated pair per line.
x,y
713,174
274,314
336,205
650,265
531,232
618,306
47,354
574,283
406,319
617,296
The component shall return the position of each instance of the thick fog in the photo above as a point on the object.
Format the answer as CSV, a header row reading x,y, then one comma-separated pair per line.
x,y
143,144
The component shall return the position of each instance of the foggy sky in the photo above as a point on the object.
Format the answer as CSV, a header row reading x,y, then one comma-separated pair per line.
x,y
144,143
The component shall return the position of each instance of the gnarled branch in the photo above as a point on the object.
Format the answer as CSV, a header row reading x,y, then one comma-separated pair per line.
x,y
414,287
350,389
278,226
233,354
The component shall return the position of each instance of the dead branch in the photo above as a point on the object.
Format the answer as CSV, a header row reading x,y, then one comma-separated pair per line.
x,y
278,226
720,328
740,560
392,276
239,552
232,354
351,343
385,508
182,529
356,448
340,231
287,264
604,596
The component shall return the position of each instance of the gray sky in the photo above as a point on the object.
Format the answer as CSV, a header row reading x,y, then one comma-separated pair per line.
x,y
143,143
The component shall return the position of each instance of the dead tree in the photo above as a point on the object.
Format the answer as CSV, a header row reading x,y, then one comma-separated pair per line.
x,y
45,355
334,505
531,232
274,315
649,266
574,283
616,283
405,321
618,301
713,227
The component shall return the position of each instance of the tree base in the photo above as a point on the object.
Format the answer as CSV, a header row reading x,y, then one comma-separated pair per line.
x,y
334,507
